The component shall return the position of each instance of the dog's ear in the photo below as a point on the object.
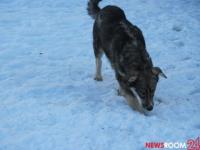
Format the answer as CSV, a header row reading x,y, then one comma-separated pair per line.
x,y
157,71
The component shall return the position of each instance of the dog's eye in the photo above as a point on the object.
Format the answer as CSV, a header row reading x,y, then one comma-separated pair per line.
x,y
142,92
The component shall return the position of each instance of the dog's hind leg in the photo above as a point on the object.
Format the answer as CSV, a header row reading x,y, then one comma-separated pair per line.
x,y
98,75
98,54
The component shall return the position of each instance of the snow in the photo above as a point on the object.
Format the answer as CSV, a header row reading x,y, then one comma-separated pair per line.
x,y
49,100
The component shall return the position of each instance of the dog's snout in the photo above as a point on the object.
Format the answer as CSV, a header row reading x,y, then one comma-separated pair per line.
x,y
150,108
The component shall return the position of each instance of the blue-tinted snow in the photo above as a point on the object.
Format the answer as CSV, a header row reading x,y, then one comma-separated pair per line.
x,y
49,100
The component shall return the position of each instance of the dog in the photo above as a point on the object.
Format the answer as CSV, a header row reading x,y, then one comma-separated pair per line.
x,y
124,46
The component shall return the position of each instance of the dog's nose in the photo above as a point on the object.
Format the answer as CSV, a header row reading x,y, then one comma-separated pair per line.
x,y
149,108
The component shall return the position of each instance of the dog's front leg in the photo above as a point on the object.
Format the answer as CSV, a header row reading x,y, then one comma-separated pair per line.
x,y
131,99
120,92
124,90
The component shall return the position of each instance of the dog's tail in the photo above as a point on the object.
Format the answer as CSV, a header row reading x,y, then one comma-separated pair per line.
x,y
93,8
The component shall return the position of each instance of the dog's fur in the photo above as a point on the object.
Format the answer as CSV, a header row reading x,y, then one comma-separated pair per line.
x,y
124,46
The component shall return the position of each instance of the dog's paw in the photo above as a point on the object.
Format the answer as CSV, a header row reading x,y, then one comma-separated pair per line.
x,y
98,78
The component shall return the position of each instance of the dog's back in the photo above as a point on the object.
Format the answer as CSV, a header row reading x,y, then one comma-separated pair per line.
x,y
113,34
107,27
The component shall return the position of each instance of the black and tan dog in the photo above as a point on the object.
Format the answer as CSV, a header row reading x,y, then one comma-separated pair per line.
x,y
124,46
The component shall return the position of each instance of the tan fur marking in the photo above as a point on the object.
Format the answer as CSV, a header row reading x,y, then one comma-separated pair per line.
x,y
98,75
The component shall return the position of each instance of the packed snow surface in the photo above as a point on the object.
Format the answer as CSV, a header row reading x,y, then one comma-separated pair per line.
x,y
49,100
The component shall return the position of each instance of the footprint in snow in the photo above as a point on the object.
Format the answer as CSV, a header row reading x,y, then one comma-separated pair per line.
x,y
191,77
196,91
158,100
179,43
177,28
186,58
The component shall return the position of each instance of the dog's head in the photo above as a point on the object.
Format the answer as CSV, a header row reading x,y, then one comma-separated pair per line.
x,y
144,84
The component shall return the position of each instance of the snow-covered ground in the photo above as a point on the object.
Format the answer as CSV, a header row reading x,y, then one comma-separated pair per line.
x,y
49,100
